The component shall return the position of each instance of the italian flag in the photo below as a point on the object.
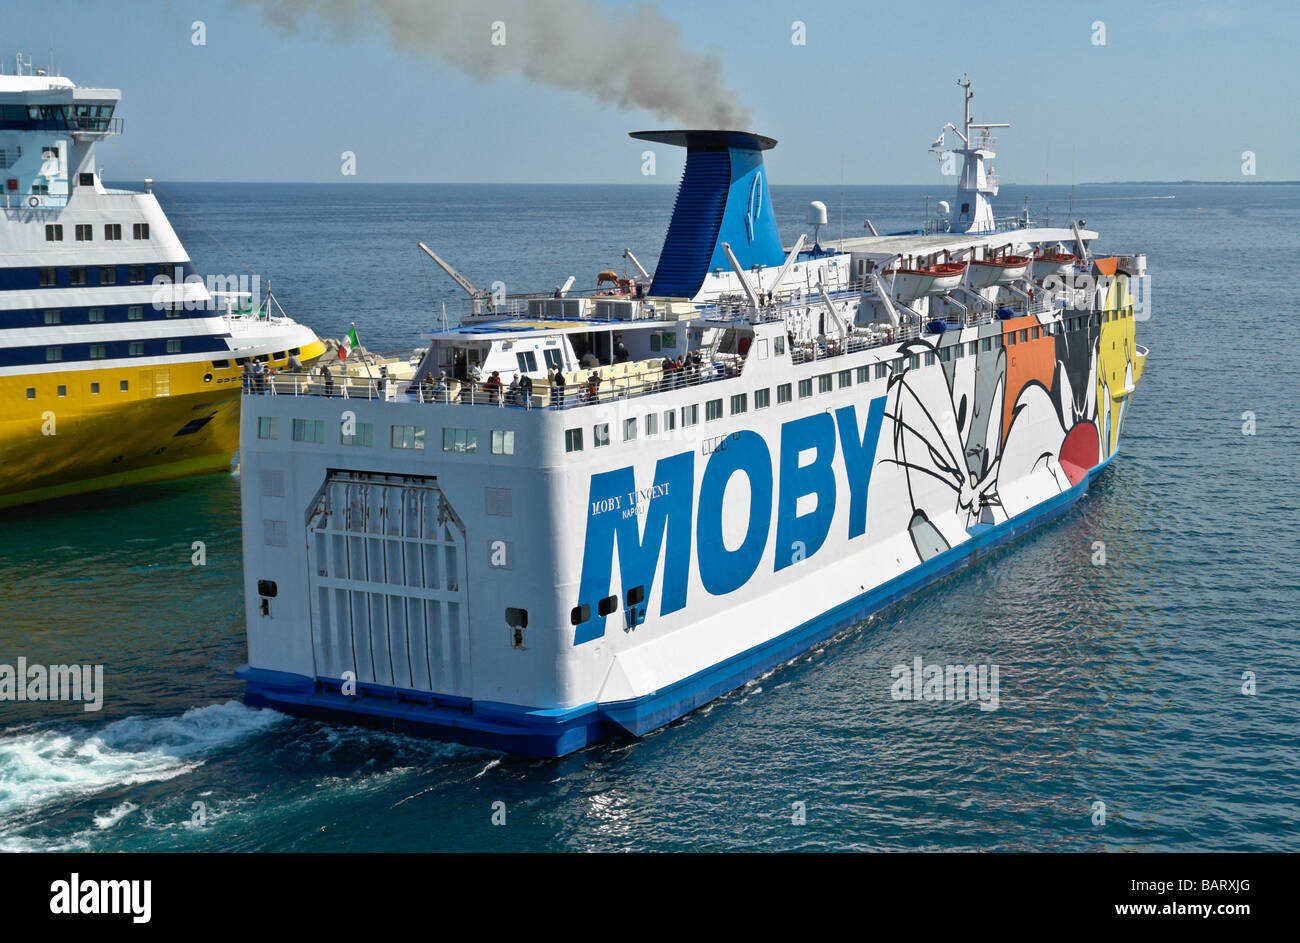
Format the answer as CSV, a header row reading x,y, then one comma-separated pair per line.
x,y
350,344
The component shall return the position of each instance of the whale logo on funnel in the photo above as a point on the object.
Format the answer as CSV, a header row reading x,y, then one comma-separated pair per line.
x,y
723,197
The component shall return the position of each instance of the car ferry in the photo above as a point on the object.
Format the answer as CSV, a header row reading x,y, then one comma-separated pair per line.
x,y
117,365
598,513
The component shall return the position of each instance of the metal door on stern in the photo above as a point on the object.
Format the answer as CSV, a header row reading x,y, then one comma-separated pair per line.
x,y
387,582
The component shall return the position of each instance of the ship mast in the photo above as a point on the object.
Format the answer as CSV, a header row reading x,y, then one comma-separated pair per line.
x,y
977,185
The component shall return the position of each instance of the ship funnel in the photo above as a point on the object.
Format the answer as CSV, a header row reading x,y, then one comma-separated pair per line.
x,y
723,198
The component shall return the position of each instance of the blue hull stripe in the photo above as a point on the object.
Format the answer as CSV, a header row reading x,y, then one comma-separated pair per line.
x,y
541,732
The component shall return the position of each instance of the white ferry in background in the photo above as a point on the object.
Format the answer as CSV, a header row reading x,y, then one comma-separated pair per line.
x,y
116,364
772,445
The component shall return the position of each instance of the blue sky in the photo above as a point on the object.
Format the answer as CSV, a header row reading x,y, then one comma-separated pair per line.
x,y
1179,91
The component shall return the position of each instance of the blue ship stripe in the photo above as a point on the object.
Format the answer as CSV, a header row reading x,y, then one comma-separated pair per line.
x,y
113,350
28,278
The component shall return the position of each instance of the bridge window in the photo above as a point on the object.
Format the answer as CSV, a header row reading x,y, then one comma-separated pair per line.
x,y
600,435
690,415
762,399
268,427
553,359
54,232
712,410
527,361
309,430
573,440
783,393
503,442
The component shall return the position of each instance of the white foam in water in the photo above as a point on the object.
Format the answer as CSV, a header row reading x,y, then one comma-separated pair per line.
x,y
40,767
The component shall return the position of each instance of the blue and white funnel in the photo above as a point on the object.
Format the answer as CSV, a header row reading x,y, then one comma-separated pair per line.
x,y
723,197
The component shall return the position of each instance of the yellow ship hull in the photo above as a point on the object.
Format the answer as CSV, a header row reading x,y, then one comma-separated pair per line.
x,y
77,431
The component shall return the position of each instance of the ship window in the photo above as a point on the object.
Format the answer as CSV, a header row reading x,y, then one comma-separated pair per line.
x,y
712,410
762,399
220,364
607,605
690,415
635,596
77,275
54,232
913,361
600,435
94,387
805,389
778,345
135,313
97,352
516,618
971,348
108,275
580,614
49,276
629,429
136,274
945,354
364,435
31,392
527,361
739,403
137,348
140,230
882,371
846,378
986,344
112,231
50,151
670,420
1035,335
652,424
655,340
268,427
864,374
85,232
503,442
53,317
783,393
573,440
929,359
173,346
63,390
53,353
552,359
86,180
309,430
412,437
1024,336
124,385
824,383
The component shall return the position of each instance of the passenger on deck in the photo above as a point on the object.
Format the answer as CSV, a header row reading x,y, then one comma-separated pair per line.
x,y
526,390
493,388
259,376
557,388
248,378
328,379
440,388
593,387
513,395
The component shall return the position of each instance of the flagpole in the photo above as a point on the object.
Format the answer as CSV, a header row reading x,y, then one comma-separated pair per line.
x,y
364,359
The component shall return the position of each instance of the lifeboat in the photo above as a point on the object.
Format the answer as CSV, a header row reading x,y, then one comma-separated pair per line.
x,y
1053,263
985,273
928,279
